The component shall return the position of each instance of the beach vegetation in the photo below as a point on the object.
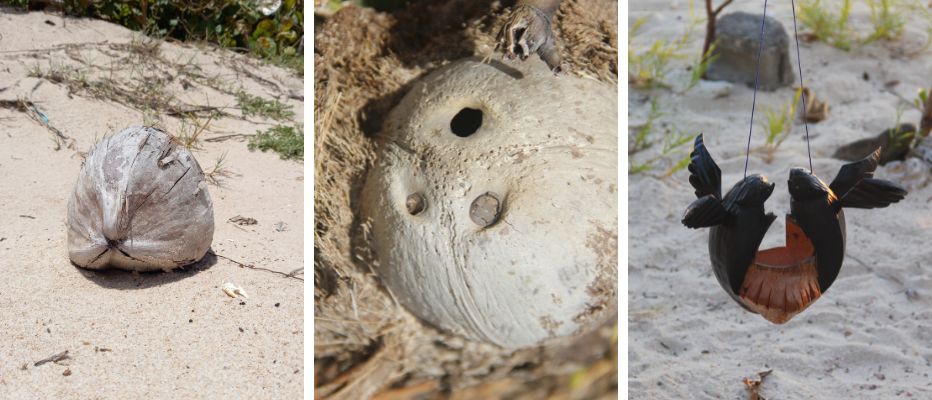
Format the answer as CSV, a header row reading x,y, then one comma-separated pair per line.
x,y
887,20
899,138
671,149
287,141
778,124
826,25
700,66
648,67
642,133
273,32
255,105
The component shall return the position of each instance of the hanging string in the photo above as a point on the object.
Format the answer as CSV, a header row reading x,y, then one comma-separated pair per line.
x,y
760,48
802,87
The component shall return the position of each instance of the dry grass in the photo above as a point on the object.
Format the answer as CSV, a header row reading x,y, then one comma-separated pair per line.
x,y
219,171
139,75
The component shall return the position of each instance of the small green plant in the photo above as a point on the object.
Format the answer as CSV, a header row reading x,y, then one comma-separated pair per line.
x,y
288,141
673,142
922,96
679,165
649,68
924,103
641,141
254,105
898,138
700,66
219,171
778,124
825,25
888,23
916,7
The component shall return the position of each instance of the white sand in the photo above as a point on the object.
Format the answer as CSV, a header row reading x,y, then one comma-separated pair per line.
x,y
169,335
865,338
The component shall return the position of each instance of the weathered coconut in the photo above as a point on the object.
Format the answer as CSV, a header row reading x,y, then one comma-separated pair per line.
x,y
140,204
493,204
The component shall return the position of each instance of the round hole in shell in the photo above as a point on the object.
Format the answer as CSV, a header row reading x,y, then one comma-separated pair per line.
x,y
466,122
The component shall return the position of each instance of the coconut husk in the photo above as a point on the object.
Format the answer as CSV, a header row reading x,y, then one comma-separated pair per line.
x,y
365,344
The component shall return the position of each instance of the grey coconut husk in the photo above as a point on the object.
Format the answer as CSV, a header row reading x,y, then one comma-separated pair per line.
x,y
365,61
140,204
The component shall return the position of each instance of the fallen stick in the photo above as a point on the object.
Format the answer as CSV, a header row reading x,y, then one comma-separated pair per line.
x,y
55,359
250,266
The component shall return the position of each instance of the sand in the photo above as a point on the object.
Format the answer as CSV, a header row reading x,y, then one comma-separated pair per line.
x,y
870,335
160,335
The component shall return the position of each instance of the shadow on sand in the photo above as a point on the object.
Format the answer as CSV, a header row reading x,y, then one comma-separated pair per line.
x,y
127,280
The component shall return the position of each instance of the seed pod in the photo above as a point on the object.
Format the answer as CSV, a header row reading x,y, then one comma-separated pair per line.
x,y
140,204
520,244
485,210
415,203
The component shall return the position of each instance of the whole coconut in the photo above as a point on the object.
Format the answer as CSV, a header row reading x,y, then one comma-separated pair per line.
x,y
493,203
140,204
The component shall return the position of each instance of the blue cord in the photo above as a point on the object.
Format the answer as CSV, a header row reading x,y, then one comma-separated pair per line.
x,y
760,48
802,87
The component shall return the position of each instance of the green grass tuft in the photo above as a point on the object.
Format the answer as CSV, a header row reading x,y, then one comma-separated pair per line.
x,y
648,68
288,141
700,66
777,125
825,25
887,21
673,140
254,105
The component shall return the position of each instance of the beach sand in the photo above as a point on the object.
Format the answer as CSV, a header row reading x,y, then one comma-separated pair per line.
x,y
870,335
159,335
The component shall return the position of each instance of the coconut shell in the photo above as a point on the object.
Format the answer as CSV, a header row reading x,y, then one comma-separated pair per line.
x,y
493,204
140,204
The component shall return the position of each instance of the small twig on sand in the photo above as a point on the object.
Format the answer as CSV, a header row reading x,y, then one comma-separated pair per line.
x,y
55,359
196,110
711,15
31,111
228,137
54,48
291,274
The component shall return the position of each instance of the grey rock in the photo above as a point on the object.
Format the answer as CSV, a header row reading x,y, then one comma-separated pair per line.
x,y
737,36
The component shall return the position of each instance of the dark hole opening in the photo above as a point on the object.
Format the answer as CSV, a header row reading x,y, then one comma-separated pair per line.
x,y
466,122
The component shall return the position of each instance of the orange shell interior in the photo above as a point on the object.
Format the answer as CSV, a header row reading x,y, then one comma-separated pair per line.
x,y
782,281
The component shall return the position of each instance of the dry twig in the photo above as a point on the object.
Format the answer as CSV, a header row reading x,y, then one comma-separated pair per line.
x,y
55,359
292,274
711,15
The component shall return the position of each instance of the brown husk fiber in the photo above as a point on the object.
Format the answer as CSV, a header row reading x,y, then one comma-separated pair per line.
x,y
365,344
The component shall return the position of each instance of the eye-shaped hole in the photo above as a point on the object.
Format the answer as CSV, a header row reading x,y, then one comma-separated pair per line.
x,y
466,122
